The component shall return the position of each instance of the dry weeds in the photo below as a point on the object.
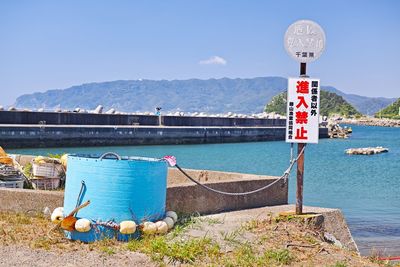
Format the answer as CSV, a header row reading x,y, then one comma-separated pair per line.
x,y
278,242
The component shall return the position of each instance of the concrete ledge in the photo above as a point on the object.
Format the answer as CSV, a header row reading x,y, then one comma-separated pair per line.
x,y
186,197
182,196
332,221
335,224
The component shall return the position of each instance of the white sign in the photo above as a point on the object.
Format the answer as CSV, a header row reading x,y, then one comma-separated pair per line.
x,y
305,41
302,116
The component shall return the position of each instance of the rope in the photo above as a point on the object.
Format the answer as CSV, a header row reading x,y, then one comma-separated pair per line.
x,y
285,175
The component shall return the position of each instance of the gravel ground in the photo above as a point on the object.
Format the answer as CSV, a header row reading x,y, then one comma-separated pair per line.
x,y
25,256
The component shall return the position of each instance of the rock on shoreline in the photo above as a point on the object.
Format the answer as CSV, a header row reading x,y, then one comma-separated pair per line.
x,y
366,150
372,122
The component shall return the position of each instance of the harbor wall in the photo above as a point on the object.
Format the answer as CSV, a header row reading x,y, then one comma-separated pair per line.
x,y
71,118
25,136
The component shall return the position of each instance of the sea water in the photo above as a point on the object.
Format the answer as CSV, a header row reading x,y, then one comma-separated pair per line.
x,y
365,188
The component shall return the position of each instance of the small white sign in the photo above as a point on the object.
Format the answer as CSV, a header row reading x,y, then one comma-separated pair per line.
x,y
302,116
305,41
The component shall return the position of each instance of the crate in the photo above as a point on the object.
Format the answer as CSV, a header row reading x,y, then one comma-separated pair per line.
x,y
48,170
8,172
44,183
12,184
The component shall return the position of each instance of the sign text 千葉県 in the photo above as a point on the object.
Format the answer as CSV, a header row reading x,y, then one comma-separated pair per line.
x,y
305,41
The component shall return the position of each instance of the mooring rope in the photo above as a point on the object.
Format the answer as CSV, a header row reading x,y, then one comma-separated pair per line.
x,y
285,175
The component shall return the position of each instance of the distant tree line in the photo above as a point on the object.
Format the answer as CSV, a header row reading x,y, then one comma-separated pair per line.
x,y
391,112
330,103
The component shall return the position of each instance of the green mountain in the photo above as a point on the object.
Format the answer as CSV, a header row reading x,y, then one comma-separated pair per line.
x,y
212,96
392,111
330,103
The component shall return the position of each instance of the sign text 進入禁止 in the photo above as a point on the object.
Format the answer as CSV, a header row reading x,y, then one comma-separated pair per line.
x,y
302,121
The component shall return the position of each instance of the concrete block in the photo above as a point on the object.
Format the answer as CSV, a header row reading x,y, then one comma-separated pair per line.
x,y
182,195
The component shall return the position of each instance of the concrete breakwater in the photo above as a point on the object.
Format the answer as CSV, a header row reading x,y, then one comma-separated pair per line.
x,y
21,129
23,136
70,118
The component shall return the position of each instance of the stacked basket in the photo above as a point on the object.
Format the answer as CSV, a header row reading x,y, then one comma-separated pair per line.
x,y
46,174
10,177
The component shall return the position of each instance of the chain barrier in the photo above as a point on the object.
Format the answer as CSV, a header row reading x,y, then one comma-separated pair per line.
x,y
284,176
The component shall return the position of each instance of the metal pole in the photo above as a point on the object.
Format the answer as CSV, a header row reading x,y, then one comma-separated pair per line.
x,y
300,172
300,161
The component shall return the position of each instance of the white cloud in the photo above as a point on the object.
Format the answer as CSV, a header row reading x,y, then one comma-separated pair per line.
x,y
214,60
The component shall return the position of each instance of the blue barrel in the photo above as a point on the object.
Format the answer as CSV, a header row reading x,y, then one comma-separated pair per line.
x,y
119,189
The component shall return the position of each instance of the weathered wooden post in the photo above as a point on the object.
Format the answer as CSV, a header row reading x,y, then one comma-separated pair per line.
x,y
304,41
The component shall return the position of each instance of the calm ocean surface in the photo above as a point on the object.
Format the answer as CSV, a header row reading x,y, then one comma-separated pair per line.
x,y
366,188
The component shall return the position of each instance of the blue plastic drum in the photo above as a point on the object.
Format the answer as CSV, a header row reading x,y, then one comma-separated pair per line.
x,y
119,189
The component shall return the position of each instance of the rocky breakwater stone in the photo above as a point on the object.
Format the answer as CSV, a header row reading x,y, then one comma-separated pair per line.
x,y
336,131
366,150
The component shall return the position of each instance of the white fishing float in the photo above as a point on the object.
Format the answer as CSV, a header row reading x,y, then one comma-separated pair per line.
x,y
169,221
82,225
127,227
58,215
162,227
149,228
173,215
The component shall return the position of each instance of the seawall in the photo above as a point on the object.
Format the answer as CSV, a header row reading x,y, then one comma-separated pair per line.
x,y
71,118
23,136
23,129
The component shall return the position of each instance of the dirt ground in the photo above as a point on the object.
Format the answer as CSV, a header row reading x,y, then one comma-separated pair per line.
x,y
199,241
19,255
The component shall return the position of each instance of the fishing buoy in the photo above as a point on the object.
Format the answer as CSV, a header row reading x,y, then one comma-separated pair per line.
x,y
162,227
172,214
169,221
149,228
57,215
68,223
127,227
82,225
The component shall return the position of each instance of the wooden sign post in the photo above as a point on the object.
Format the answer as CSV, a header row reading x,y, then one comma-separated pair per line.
x,y
304,41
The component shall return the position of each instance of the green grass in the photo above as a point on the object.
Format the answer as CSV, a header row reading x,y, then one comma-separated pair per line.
x,y
108,251
185,221
340,264
280,256
246,256
54,156
172,248
159,248
232,236
210,221
286,218
28,170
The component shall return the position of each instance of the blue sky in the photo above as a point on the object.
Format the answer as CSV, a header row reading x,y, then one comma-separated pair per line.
x,y
56,44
